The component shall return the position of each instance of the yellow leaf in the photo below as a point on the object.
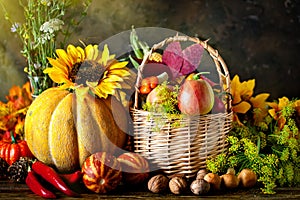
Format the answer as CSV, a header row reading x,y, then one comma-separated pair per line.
x,y
235,85
283,102
246,89
273,113
259,101
242,107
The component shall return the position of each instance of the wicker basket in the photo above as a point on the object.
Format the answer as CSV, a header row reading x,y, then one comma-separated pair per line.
x,y
181,149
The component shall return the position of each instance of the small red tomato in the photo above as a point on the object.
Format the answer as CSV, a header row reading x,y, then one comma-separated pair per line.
x,y
145,89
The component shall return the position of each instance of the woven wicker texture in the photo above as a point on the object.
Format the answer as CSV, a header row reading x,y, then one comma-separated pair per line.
x,y
181,146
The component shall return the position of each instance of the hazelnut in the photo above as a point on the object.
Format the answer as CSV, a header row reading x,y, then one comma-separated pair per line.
x,y
177,185
200,187
158,183
230,180
214,180
247,178
201,173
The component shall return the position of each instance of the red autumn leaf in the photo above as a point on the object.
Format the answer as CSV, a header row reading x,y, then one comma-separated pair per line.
x,y
192,56
182,62
173,57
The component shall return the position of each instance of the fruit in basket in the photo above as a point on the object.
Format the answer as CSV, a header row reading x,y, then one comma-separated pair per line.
x,y
12,150
101,172
159,95
219,106
195,96
62,128
135,168
149,83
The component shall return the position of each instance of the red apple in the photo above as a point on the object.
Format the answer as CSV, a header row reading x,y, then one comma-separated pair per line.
x,y
195,97
135,168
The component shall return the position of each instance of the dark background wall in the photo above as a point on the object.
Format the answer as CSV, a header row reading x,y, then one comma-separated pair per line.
x,y
258,39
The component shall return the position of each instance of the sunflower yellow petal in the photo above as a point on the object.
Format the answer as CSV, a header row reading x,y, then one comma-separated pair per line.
x,y
123,73
100,93
106,88
118,65
91,52
113,78
68,85
74,55
58,65
62,54
105,55
58,77
80,54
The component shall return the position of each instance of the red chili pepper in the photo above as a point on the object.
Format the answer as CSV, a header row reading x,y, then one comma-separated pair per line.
x,y
50,175
36,187
72,178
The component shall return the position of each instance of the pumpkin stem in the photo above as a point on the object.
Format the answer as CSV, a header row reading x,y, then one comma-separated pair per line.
x,y
13,139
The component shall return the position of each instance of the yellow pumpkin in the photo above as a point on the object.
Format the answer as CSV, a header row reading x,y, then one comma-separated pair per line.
x,y
62,128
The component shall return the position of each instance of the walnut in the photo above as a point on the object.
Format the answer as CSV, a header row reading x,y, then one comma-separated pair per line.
x,y
200,187
201,173
177,185
158,183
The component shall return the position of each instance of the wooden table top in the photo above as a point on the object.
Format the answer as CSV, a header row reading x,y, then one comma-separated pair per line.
x,y
21,191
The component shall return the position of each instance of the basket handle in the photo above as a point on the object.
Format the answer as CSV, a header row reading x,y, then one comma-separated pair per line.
x,y
218,60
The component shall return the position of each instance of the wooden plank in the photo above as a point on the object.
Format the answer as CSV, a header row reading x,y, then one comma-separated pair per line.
x,y
10,190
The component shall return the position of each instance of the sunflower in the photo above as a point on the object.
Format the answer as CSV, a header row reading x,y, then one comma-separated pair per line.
x,y
88,67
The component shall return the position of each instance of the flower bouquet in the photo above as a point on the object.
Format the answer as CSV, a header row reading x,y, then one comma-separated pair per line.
x,y
264,138
45,21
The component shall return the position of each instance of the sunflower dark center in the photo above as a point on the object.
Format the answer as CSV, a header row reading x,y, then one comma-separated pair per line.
x,y
86,71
